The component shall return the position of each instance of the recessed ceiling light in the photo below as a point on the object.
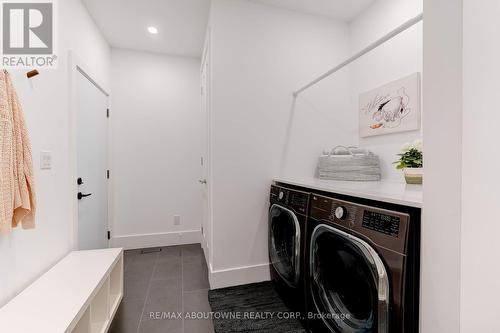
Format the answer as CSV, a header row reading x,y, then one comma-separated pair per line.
x,y
153,30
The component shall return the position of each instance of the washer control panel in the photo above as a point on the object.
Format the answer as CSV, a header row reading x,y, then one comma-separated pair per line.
x,y
380,226
339,212
383,223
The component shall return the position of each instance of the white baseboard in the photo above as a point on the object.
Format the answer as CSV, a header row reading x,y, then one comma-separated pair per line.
x,y
159,239
239,275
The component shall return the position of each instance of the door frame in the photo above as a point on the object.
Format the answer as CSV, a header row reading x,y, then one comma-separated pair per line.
x,y
207,244
76,66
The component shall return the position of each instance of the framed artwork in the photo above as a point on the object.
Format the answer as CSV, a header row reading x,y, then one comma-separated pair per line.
x,y
392,108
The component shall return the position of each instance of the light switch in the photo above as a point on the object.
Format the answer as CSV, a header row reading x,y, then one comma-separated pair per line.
x,y
45,160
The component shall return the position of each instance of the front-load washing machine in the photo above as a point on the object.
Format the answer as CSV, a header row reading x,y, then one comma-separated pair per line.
x,y
362,267
288,214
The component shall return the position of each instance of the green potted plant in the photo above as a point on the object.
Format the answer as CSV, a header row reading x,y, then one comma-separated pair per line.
x,y
411,161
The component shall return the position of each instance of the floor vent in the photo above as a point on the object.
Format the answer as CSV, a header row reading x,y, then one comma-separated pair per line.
x,y
151,250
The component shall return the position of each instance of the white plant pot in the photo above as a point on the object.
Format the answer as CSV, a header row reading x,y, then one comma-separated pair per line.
x,y
414,175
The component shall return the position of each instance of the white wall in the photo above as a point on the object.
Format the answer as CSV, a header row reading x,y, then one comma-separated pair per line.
x,y
442,136
393,60
480,253
156,149
260,55
26,254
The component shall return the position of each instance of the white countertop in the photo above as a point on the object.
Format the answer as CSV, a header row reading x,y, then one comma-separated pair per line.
x,y
53,301
384,191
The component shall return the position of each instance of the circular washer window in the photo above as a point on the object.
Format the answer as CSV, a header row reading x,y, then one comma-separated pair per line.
x,y
344,282
284,243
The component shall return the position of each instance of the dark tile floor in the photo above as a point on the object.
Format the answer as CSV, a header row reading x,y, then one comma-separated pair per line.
x,y
174,280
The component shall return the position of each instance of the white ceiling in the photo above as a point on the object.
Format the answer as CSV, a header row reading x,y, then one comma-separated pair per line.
x,y
181,24
344,10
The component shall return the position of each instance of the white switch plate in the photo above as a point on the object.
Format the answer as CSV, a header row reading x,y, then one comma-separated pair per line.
x,y
177,219
45,160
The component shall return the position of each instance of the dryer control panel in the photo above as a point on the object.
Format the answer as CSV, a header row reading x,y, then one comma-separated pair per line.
x,y
296,200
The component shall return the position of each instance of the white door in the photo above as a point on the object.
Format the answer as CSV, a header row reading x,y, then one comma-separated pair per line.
x,y
92,142
206,229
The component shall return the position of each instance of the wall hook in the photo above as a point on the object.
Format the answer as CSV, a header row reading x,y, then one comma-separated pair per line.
x,y
32,73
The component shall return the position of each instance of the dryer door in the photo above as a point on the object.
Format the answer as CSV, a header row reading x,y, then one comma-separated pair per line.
x,y
284,243
349,283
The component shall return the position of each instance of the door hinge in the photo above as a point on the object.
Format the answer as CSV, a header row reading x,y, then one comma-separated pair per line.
x,y
109,234
202,160
202,231
107,174
107,113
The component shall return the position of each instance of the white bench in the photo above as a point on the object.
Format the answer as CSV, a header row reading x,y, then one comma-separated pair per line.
x,y
80,294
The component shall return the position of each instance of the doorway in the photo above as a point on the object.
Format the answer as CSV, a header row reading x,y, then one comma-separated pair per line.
x,y
205,158
92,161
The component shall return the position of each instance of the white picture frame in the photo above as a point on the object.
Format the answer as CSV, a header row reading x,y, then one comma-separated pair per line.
x,y
391,108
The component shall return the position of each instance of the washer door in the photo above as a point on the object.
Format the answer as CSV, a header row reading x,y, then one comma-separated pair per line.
x,y
284,243
349,283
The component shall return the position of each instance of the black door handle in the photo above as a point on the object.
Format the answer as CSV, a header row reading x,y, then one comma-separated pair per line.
x,y
81,195
79,181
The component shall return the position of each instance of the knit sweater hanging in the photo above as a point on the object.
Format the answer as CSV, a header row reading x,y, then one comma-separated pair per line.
x,y
17,192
